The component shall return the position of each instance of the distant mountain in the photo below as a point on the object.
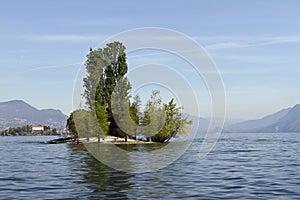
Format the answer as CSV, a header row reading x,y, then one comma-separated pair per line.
x,y
258,124
288,123
17,113
286,120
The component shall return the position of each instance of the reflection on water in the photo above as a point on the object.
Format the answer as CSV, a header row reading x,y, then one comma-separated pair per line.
x,y
137,158
103,181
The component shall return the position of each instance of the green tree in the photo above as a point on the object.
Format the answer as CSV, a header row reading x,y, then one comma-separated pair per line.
x,y
54,131
163,121
120,104
135,112
82,123
102,119
105,67
71,126
175,123
154,116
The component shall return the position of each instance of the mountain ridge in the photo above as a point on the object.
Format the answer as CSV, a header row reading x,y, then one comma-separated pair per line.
x,y
17,113
285,120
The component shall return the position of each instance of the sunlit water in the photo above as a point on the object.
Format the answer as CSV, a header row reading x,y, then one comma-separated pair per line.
x,y
242,166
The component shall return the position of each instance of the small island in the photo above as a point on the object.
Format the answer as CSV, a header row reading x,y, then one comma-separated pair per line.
x,y
112,114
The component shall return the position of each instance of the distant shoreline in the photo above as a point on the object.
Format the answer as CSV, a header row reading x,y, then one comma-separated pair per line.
x,y
27,135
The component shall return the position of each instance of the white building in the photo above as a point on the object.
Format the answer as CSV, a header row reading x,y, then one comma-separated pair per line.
x,y
37,128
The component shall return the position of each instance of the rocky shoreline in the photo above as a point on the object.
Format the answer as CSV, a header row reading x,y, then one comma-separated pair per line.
x,y
106,140
68,140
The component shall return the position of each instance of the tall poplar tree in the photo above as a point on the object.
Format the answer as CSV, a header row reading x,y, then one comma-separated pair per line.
x,y
105,67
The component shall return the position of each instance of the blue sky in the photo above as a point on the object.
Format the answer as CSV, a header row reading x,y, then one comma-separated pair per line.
x,y
254,44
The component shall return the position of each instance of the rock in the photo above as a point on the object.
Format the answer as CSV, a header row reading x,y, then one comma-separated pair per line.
x,y
62,140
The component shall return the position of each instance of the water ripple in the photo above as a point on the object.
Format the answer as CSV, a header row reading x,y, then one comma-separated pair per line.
x,y
242,166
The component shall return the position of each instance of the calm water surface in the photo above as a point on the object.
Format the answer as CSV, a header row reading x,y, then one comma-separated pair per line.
x,y
242,166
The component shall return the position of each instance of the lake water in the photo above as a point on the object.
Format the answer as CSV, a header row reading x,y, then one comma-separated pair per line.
x,y
242,166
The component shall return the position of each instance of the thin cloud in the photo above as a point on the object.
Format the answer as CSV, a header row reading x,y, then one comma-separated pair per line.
x,y
148,54
250,58
251,42
64,38
48,67
20,51
225,45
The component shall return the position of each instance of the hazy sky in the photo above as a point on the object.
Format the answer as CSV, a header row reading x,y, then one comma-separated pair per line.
x,y
254,44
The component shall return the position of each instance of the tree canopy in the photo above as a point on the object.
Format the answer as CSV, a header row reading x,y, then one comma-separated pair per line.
x,y
82,123
165,119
